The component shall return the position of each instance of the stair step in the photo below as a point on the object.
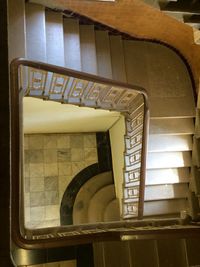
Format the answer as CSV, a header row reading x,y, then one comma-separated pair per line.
x,y
168,191
137,248
195,180
167,176
99,202
117,58
197,121
195,152
87,191
194,208
112,211
161,143
164,207
72,48
177,126
193,248
54,38
158,160
157,65
17,30
104,68
35,32
112,254
88,49
171,252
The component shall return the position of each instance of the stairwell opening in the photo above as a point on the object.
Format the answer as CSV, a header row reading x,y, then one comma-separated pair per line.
x,y
59,85
57,165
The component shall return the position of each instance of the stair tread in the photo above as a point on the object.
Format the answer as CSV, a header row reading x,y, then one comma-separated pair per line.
x,y
88,49
72,43
162,207
172,126
87,191
99,202
158,66
161,143
167,176
112,212
54,38
35,32
137,248
157,160
104,68
117,58
171,253
167,191
112,254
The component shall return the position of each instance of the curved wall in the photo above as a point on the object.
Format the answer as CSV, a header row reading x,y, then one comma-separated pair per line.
x,y
165,76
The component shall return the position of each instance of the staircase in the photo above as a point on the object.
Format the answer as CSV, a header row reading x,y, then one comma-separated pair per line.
x,y
96,201
66,41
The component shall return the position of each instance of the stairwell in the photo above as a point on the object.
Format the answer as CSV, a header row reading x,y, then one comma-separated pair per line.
x,y
66,41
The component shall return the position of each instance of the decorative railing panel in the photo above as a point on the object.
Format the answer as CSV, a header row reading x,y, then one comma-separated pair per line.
x,y
133,158
46,81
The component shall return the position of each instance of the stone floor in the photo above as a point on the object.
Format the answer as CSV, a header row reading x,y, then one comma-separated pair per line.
x,y
51,162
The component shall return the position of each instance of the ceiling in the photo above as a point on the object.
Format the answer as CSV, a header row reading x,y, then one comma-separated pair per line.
x,y
41,116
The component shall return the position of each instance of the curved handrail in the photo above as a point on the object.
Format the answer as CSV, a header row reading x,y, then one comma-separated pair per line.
x,y
53,236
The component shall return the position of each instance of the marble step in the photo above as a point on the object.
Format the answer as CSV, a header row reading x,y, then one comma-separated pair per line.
x,y
165,207
111,254
194,207
160,252
117,58
195,152
137,248
98,254
167,191
152,67
112,211
87,191
177,126
54,38
72,48
35,32
195,180
172,252
167,176
158,160
197,121
167,143
104,67
16,17
193,248
99,202
88,49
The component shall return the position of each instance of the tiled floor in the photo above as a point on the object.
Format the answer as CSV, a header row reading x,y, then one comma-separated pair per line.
x,y
51,161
